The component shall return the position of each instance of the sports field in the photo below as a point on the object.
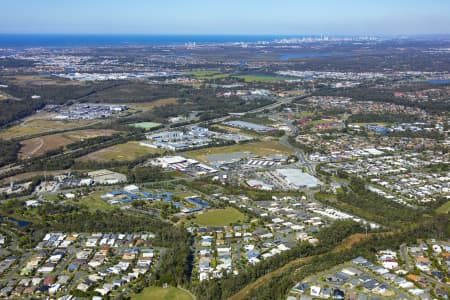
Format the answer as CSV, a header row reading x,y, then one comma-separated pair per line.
x,y
145,125
122,152
158,293
219,217
258,148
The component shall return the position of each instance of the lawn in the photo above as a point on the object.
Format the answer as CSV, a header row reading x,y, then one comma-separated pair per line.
x,y
258,148
220,217
122,152
444,209
157,293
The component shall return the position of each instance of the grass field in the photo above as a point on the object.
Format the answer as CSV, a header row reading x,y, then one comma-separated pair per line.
x,y
444,209
121,152
145,125
41,80
262,78
150,105
93,201
30,175
157,293
257,120
208,74
38,146
258,148
211,74
219,217
38,126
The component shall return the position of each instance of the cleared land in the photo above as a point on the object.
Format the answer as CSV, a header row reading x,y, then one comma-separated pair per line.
x,y
121,152
38,126
220,217
41,145
444,209
157,293
262,78
152,104
258,148
4,96
36,80
207,74
29,175
211,74
94,202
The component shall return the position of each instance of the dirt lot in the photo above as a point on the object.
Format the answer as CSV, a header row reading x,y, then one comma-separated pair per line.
x,y
41,145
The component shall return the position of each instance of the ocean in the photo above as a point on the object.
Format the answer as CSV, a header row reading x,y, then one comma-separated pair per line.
x,y
77,40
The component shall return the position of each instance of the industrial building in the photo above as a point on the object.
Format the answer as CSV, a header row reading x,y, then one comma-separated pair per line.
x,y
107,177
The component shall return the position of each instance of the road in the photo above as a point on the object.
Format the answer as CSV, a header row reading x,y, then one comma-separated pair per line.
x,y
302,161
409,267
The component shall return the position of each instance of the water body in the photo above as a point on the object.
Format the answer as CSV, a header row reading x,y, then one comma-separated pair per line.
x,y
439,81
20,223
77,40
286,57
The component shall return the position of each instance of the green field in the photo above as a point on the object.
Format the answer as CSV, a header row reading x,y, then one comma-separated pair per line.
x,y
94,202
444,209
122,152
157,293
220,217
212,74
145,125
258,148
262,78
207,74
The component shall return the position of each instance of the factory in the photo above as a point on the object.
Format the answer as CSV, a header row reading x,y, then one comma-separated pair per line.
x,y
249,126
176,140
107,177
88,111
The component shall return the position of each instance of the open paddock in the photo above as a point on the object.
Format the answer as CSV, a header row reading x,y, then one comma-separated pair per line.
x,y
122,152
40,145
145,106
41,126
220,217
258,148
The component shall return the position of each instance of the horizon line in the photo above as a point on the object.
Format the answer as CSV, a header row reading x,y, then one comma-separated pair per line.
x,y
231,34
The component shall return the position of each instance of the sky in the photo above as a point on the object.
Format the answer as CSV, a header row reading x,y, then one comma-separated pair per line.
x,y
234,17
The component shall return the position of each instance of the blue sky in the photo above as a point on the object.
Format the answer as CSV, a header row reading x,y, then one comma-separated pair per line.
x,y
288,17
